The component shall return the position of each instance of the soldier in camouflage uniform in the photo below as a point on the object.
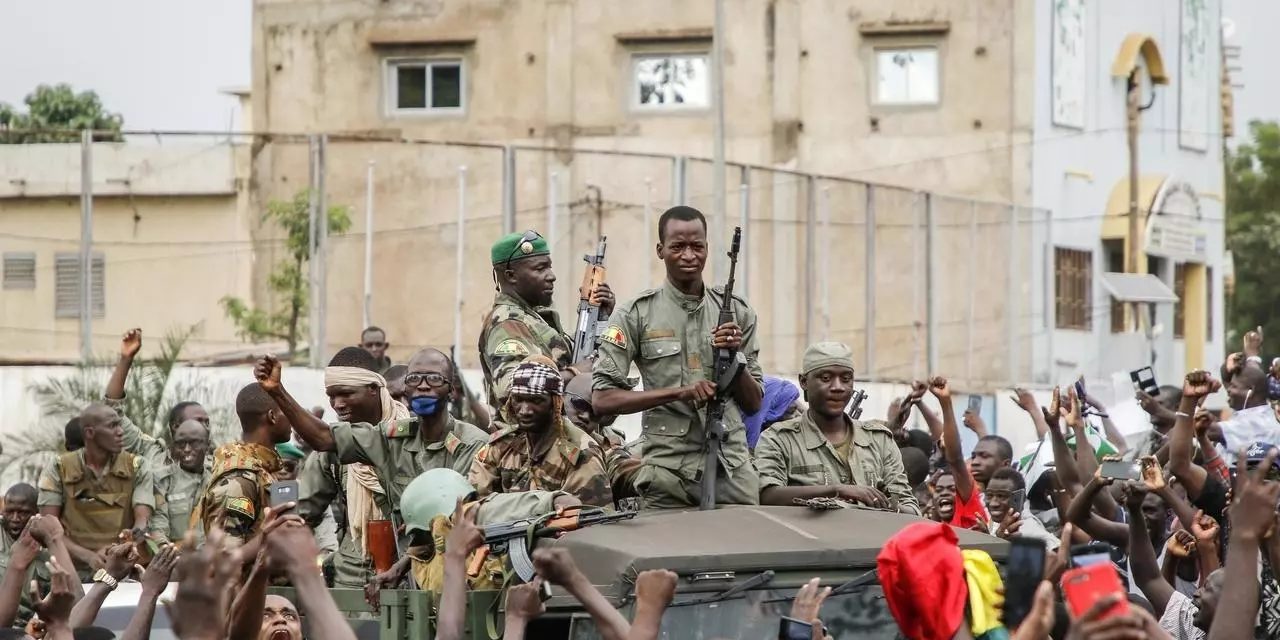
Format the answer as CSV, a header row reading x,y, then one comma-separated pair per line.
x,y
521,324
179,484
396,443
543,450
238,489
826,454
671,334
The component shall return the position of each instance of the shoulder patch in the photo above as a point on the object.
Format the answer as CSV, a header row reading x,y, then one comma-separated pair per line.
x,y
240,505
875,425
501,433
406,428
786,425
614,336
511,348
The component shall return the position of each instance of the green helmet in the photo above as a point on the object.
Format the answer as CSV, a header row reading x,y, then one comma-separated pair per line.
x,y
434,493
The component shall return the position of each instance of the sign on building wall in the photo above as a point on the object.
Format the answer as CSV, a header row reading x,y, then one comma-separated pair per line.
x,y
1069,68
1193,76
1175,229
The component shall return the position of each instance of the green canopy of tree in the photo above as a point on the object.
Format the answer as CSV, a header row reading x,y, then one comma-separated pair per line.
x,y
1253,230
56,114
289,278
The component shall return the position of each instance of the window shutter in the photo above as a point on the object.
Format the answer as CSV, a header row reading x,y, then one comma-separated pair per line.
x,y
67,286
19,270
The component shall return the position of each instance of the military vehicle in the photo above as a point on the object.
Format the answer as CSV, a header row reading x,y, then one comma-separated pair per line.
x,y
739,569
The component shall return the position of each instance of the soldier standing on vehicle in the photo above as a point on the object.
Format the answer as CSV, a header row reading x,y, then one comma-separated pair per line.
x,y
180,483
826,454
98,491
542,450
238,489
521,323
671,334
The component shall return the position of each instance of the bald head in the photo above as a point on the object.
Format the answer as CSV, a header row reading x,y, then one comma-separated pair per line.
x,y
101,428
96,414
432,359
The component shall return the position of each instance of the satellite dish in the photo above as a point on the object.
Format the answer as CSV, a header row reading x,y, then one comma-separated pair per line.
x,y
1228,28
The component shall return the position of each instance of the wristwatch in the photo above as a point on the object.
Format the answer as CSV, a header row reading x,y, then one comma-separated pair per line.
x,y
105,578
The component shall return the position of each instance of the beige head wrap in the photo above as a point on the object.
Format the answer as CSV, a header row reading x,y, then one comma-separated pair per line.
x,y
362,480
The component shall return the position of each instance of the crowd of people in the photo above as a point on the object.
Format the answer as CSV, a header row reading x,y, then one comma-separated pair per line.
x,y
417,463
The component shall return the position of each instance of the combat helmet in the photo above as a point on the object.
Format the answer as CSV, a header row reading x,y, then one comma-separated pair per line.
x,y
434,493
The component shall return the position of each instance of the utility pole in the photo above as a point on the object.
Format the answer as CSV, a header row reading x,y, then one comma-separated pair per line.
x,y
86,245
1133,113
717,168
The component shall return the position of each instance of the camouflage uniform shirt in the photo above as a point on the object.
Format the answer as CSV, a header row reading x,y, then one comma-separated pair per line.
x,y
571,462
238,489
796,453
667,335
512,332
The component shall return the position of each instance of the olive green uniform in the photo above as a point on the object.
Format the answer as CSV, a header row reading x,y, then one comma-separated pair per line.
x,y
796,453
667,335
96,508
177,492
398,454
570,462
38,571
147,447
512,331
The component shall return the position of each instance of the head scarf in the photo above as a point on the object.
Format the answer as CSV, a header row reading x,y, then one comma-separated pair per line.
x,y
779,395
536,376
362,481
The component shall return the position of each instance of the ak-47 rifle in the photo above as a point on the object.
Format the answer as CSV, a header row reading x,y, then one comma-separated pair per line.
x,y
728,364
516,538
588,333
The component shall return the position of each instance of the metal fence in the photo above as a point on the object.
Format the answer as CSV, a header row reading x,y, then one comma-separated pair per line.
x,y
914,282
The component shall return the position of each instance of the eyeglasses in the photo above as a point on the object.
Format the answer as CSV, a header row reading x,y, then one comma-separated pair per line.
x,y
432,379
529,236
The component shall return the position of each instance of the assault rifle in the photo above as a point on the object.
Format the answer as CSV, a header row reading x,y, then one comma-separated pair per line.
x,y
588,332
728,364
516,538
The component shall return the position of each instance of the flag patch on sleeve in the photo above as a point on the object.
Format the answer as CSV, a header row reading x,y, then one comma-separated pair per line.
x,y
614,336
241,506
511,348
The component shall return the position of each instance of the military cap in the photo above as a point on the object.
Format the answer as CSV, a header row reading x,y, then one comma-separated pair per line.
x,y
517,246
289,451
826,354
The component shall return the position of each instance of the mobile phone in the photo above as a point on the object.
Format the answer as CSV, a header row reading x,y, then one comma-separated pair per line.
x,y
1016,500
1023,573
975,404
1083,586
283,492
1144,379
1080,390
1090,553
1120,469
792,629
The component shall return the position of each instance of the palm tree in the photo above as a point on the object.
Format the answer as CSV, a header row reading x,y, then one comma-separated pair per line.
x,y
150,390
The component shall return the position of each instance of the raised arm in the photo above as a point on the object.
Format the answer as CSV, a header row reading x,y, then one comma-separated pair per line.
x,y
1063,460
1027,402
464,538
312,429
1197,385
154,582
22,556
1081,514
1142,558
1253,513
557,567
1108,427
951,439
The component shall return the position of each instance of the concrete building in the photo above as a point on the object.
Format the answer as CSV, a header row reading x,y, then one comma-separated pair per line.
x,y
170,238
971,108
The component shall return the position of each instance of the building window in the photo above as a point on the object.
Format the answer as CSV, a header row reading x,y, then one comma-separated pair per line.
x,y
907,76
19,270
1074,279
67,278
1180,307
424,86
671,81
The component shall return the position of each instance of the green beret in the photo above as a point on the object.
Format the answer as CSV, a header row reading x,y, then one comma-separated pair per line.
x,y
290,451
514,246
826,354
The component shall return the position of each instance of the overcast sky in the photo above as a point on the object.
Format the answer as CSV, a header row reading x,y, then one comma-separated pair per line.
x,y
160,63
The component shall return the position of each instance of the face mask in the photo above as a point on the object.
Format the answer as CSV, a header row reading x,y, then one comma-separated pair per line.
x,y
424,405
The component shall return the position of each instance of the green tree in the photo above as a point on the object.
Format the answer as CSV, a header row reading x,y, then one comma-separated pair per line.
x,y
149,392
288,279
1253,230
52,111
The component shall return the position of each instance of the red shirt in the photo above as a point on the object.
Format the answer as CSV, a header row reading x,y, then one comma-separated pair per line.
x,y
971,512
